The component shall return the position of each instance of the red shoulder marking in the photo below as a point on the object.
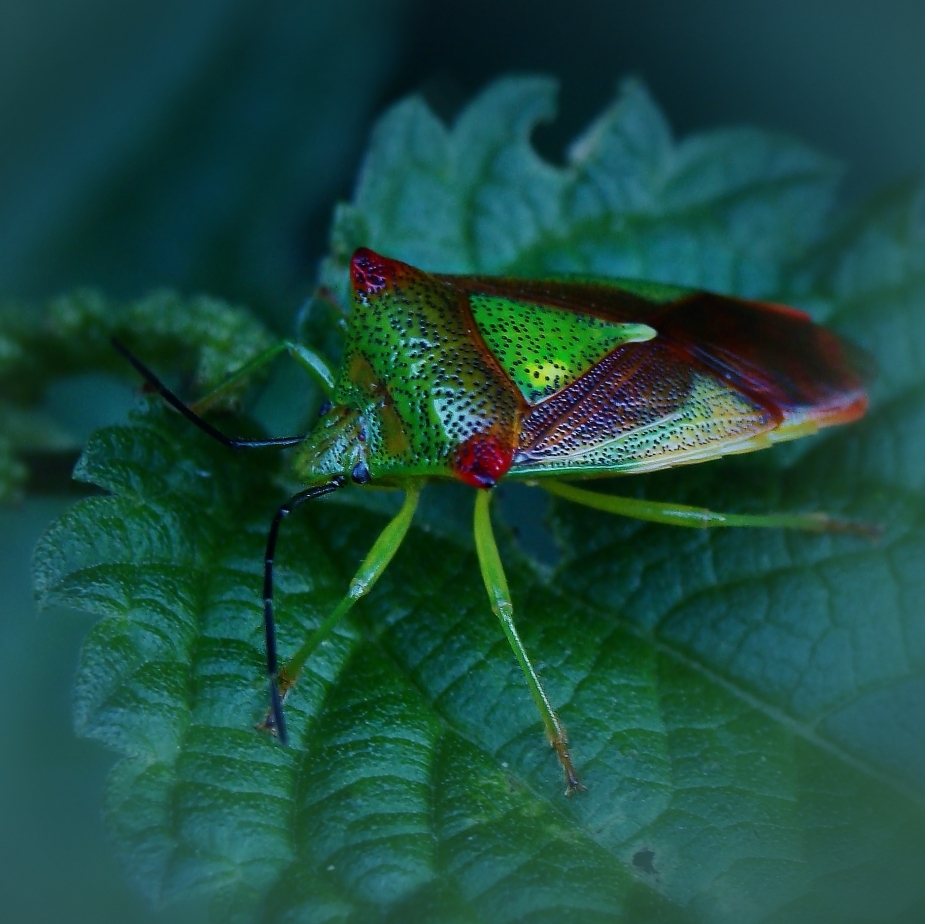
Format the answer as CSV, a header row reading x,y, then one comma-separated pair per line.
x,y
482,460
371,273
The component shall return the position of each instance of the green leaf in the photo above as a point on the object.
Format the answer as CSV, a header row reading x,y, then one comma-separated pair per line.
x,y
745,706
71,335
728,210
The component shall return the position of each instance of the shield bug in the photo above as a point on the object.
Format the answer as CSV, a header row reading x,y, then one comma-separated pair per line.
x,y
480,379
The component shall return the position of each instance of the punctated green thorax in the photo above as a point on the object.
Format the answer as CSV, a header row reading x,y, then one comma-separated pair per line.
x,y
544,349
418,377
436,377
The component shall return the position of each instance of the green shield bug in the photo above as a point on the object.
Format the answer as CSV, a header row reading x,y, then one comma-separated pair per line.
x,y
550,381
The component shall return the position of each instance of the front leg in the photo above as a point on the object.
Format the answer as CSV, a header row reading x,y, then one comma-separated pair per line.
x,y
382,552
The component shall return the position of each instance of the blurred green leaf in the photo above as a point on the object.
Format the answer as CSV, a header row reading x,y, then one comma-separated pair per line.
x,y
193,146
13,472
745,707
71,335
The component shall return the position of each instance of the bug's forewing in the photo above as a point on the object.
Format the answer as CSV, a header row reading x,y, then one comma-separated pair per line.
x,y
722,375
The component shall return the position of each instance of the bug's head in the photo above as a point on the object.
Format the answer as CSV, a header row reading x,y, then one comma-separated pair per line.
x,y
336,446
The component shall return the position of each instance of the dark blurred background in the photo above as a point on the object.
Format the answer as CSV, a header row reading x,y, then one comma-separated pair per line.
x,y
201,144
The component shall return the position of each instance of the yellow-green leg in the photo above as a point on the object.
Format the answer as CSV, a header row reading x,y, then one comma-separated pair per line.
x,y
382,552
311,361
500,596
700,517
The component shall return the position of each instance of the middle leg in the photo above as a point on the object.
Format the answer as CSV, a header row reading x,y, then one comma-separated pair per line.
x,y
503,607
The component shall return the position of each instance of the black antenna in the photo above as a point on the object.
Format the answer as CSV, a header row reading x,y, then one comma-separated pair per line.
x,y
191,415
269,627
277,721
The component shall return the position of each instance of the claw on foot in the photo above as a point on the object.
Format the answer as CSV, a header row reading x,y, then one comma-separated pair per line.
x,y
268,724
572,783
275,723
